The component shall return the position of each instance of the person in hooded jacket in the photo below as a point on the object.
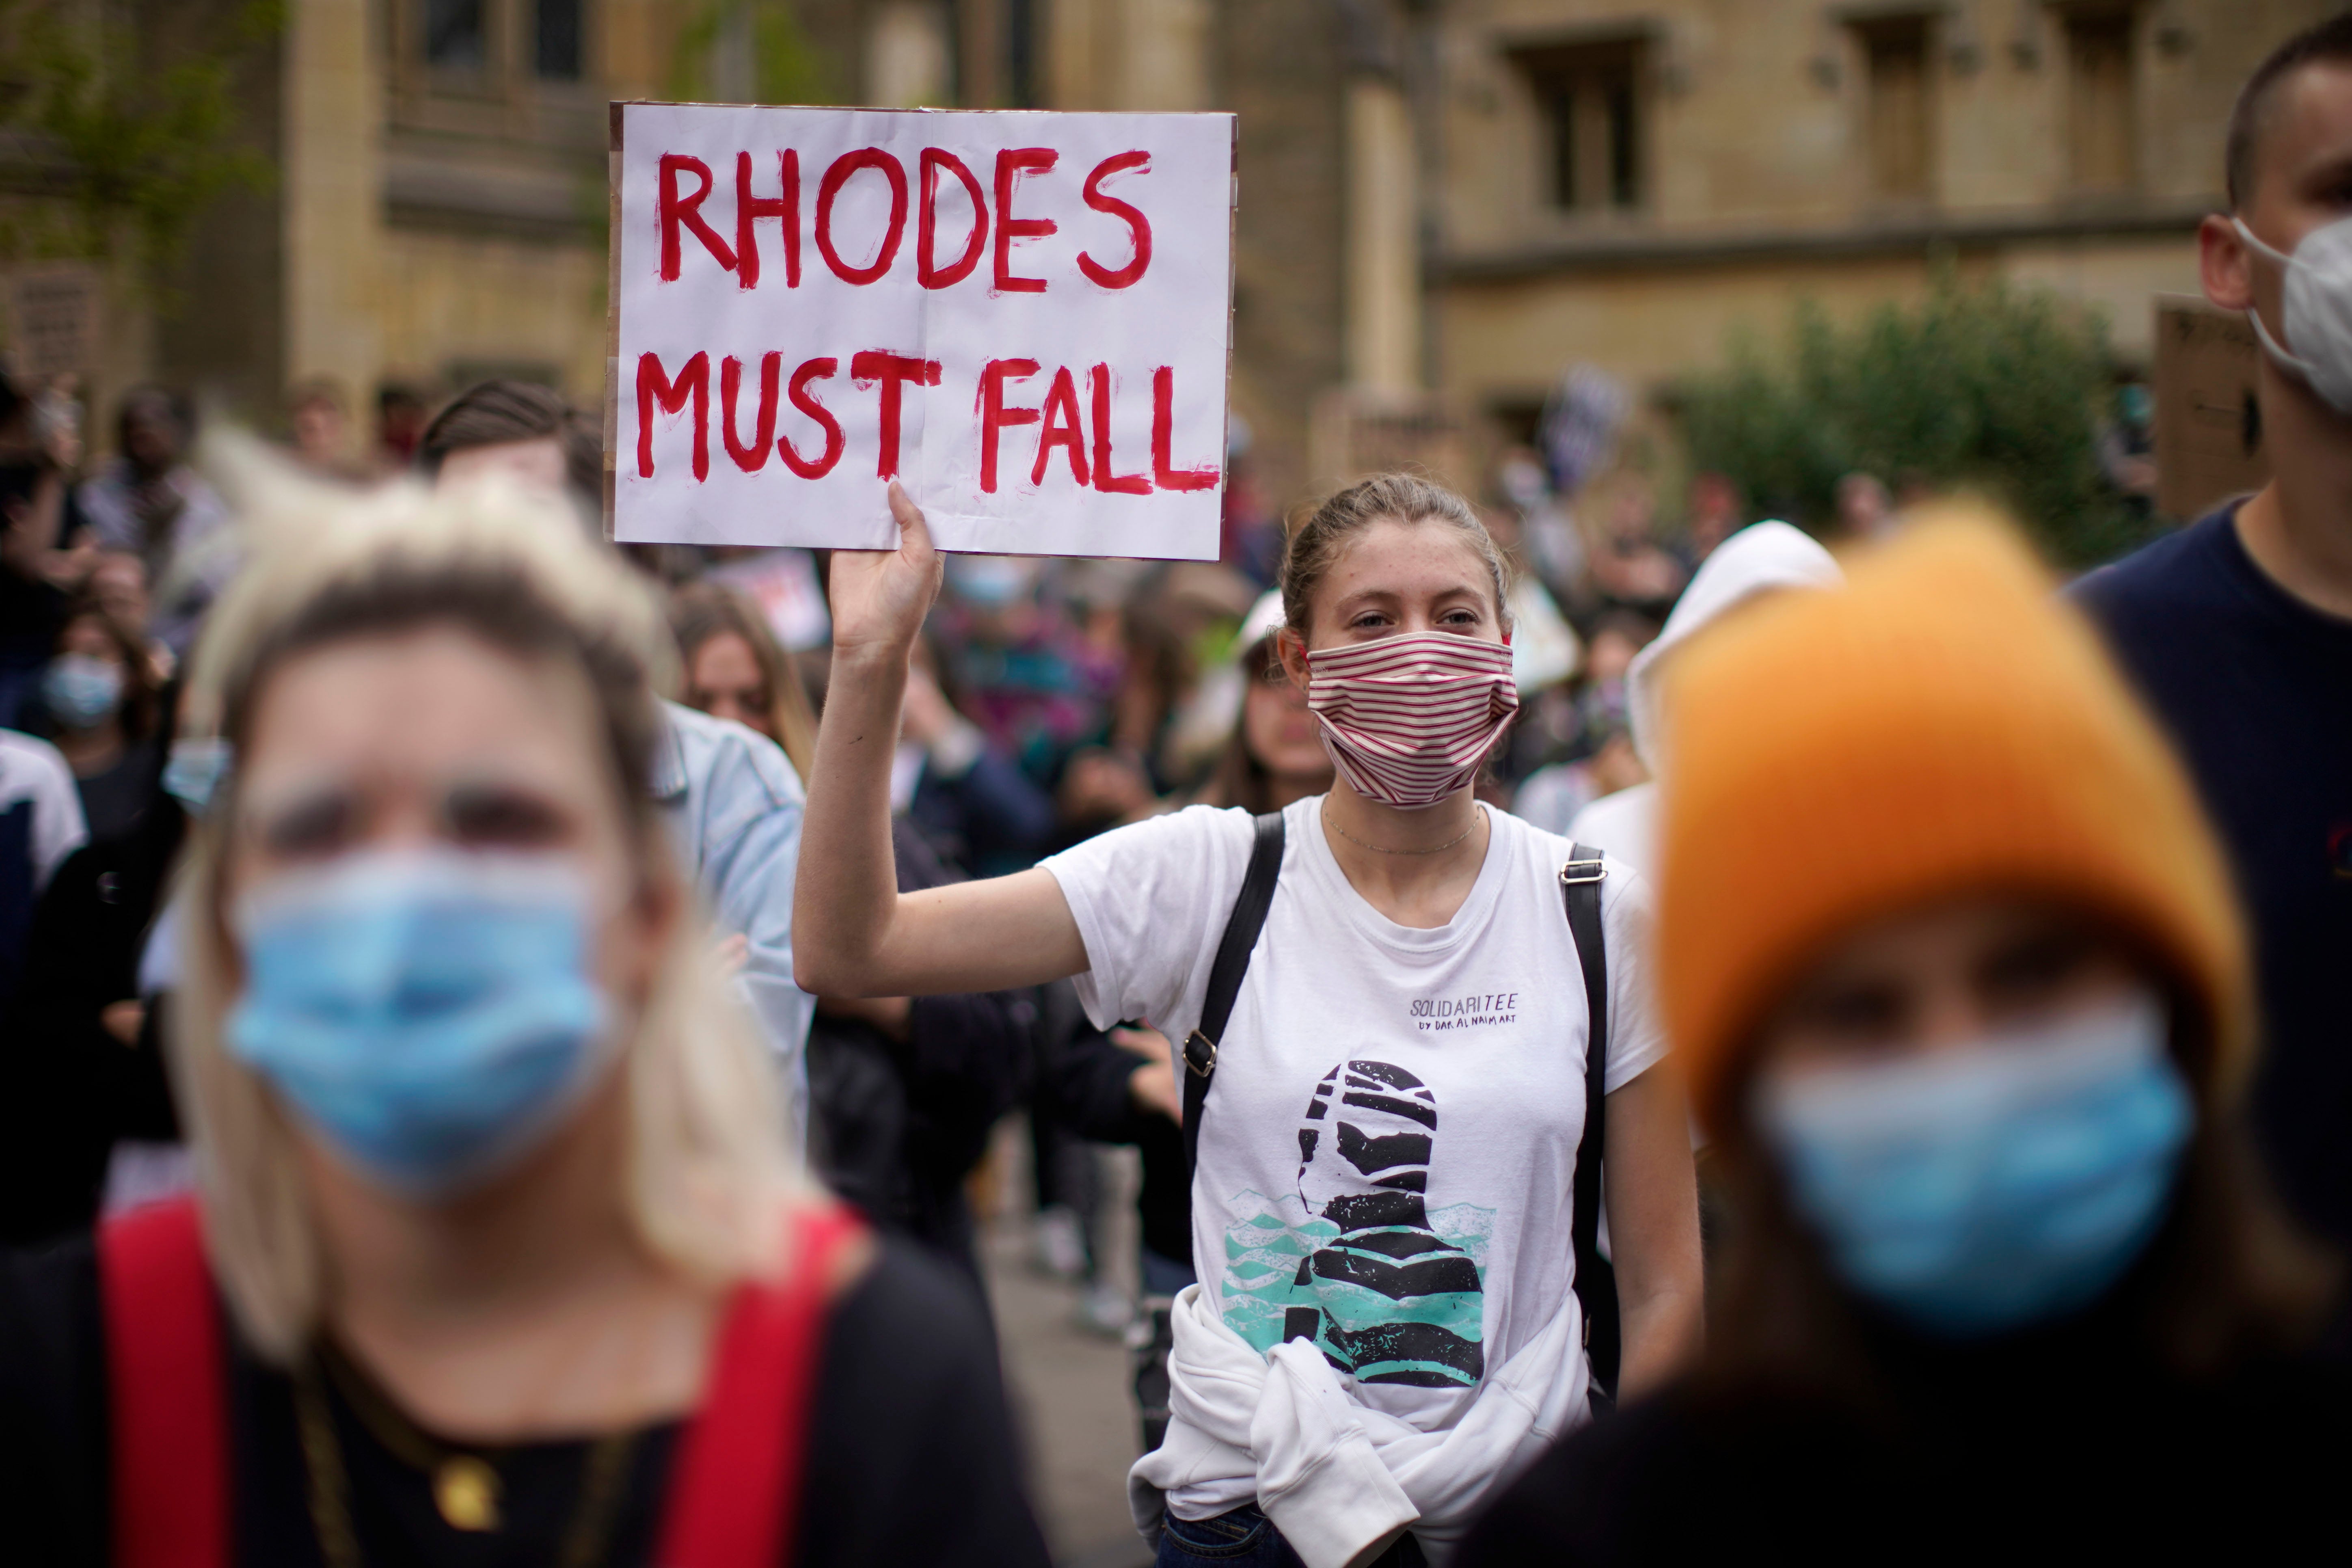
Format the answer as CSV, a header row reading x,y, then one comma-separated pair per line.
x,y
1760,559
1949,960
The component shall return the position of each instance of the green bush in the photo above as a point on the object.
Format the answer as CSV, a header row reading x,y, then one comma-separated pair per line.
x,y
147,143
1992,388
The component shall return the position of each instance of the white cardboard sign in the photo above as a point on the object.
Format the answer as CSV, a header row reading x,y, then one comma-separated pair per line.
x,y
1024,316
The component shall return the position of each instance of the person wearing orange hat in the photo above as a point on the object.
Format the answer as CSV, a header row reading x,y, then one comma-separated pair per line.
x,y
1950,963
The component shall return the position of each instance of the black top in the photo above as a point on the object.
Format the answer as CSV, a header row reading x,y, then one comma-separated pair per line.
x,y
911,1460
74,1087
1990,1456
2255,687
897,1125
114,802
1084,1075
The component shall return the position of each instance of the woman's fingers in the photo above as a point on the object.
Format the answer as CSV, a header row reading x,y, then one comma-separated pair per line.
x,y
918,584
1153,1086
731,954
880,596
914,532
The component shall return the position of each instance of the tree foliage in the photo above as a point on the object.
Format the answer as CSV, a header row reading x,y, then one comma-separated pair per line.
x,y
1992,388
131,140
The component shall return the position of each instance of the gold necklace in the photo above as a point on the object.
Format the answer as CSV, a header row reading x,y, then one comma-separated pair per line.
x,y
465,1487
1475,819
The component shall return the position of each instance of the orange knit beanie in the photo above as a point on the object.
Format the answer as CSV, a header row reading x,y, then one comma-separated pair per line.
x,y
1941,725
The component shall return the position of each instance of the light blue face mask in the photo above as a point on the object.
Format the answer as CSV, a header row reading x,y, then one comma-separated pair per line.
x,y
430,1014
81,690
1979,1190
194,771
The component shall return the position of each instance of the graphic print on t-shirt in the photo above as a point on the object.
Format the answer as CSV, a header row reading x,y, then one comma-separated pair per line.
x,y
1354,1261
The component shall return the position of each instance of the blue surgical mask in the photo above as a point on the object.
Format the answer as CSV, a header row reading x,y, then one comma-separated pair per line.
x,y
1979,1190
81,690
431,1014
194,771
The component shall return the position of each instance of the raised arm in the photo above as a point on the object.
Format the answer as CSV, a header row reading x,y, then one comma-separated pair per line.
x,y
854,933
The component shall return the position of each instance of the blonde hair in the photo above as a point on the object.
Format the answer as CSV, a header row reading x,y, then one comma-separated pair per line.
x,y
707,1176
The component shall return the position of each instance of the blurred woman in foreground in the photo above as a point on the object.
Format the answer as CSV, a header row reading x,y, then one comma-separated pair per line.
x,y
1951,963
516,1266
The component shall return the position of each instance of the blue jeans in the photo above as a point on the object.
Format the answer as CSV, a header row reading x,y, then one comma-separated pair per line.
x,y
1163,1275
1246,1538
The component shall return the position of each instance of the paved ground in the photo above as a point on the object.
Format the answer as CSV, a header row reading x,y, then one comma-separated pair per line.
x,y
1068,1384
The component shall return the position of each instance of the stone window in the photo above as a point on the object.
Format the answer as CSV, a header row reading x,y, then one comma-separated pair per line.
x,y
456,37
1590,96
1899,118
487,50
557,45
2100,144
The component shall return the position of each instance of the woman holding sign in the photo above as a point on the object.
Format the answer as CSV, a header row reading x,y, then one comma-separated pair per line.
x,y
1388,1325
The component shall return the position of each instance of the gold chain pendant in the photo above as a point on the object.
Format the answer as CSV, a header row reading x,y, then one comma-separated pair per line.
x,y
467,1491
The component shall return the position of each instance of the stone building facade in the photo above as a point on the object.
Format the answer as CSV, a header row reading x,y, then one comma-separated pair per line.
x,y
1632,182
440,208
1444,202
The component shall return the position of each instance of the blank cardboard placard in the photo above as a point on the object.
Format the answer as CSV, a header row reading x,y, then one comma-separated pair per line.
x,y
2209,424
1024,316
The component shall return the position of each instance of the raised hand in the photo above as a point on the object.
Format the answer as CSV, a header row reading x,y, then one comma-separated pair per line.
x,y
880,596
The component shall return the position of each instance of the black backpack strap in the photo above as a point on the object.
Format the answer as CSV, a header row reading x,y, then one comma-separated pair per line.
x,y
1226,974
1596,1280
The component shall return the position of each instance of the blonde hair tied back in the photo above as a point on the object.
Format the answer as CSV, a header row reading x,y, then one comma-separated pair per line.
x,y
1316,546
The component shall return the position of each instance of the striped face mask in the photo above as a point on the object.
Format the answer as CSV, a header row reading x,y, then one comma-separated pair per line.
x,y
1407,720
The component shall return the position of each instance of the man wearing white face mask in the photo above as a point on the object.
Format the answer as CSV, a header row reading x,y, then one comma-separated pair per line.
x,y
2238,630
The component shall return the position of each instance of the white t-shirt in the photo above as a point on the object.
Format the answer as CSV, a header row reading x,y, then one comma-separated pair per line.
x,y
1388,1150
32,769
1622,825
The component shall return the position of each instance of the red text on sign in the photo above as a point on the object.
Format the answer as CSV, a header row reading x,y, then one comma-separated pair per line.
x,y
893,371
1084,445
685,184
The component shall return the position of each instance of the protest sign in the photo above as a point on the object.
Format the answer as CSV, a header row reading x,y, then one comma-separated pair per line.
x,y
50,317
1025,317
2208,422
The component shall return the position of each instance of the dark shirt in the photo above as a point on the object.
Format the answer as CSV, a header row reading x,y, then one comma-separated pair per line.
x,y
911,1459
2255,687
990,819
897,1125
1983,1459
75,1088
32,614
115,801
1084,1078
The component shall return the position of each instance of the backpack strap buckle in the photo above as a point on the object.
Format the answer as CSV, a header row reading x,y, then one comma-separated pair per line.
x,y
1576,871
1200,1054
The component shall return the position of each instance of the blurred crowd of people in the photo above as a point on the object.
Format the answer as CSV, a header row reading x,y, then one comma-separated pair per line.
x,y
437,946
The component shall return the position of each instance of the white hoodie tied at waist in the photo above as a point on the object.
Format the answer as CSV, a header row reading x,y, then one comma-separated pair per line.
x,y
1341,1480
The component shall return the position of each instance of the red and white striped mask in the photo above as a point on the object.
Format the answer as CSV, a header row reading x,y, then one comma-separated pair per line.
x,y
1407,720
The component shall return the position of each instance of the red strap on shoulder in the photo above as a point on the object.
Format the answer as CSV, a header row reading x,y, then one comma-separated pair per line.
x,y
735,1487
167,1390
